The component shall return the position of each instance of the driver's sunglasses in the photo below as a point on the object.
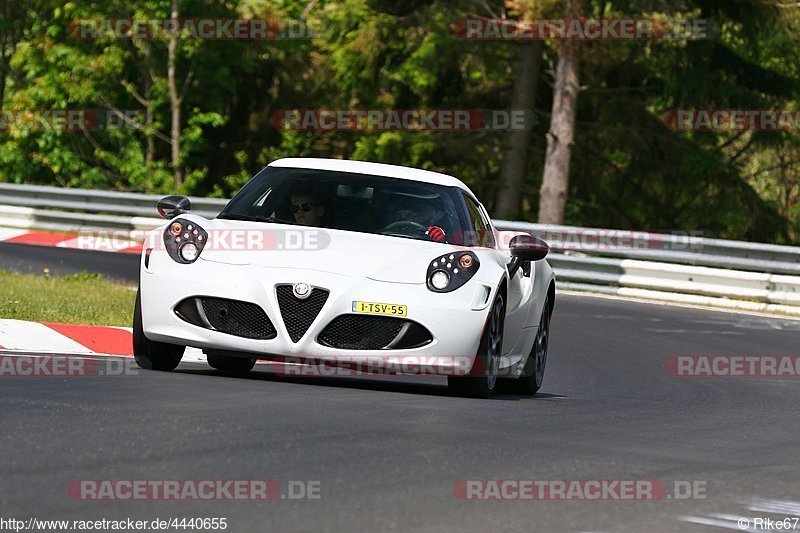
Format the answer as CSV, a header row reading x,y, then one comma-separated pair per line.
x,y
297,207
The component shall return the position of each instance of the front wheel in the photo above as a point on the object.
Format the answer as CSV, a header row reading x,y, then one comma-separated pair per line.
x,y
487,361
234,365
152,355
533,374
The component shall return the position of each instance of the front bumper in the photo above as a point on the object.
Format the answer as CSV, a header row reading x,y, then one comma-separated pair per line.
x,y
455,320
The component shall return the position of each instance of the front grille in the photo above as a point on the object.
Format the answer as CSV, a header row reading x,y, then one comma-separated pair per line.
x,y
363,332
298,315
242,319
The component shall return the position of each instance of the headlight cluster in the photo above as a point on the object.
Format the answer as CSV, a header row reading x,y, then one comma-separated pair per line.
x,y
448,272
184,240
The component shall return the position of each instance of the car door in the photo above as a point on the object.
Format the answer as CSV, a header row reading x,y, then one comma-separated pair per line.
x,y
519,288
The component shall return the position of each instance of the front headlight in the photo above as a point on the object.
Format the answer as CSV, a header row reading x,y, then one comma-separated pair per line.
x,y
184,240
189,252
448,272
440,280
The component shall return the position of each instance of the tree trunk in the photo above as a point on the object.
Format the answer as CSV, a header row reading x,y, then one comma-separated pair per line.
x,y
175,102
3,69
149,120
515,157
555,183
149,108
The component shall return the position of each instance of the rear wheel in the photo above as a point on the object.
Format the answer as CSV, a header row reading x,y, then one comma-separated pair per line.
x,y
149,354
487,361
533,374
234,365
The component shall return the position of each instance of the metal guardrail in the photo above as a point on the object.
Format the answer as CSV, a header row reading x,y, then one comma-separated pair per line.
x,y
671,267
72,210
703,281
685,249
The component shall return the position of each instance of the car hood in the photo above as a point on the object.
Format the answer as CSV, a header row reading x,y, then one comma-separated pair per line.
x,y
347,253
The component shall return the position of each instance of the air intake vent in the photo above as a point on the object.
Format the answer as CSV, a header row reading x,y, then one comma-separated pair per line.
x,y
242,319
298,315
364,332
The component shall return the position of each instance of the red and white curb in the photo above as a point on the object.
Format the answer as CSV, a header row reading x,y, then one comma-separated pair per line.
x,y
73,241
19,338
48,338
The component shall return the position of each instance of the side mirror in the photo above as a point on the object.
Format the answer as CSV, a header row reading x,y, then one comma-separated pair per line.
x,y
525,248
171,206
528,248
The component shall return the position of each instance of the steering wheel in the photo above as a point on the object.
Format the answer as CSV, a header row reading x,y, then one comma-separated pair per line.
x,y
405,227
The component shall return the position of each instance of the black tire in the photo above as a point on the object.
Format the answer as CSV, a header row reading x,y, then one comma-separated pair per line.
x,y
484,379
533,374
152,355
233,365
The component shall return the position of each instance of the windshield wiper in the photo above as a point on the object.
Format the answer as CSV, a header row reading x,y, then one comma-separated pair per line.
x,y
256,218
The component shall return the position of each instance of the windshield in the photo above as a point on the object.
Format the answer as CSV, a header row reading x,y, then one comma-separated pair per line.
x,y
352,202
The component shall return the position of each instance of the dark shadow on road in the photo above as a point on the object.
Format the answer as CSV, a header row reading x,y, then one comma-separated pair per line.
x,y
402,384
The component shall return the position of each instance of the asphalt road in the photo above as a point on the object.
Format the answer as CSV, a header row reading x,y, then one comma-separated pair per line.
x,y
60,261
387,452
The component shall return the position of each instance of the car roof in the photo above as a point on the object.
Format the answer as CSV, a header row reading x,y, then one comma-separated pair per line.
x,y
375,169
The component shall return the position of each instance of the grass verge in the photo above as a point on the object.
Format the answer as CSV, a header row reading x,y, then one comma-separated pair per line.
x,y
75,299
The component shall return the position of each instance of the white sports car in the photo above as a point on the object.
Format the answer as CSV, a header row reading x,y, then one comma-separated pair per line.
x,y
343,263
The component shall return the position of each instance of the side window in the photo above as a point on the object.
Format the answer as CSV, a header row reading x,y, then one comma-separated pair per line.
x,y
481,232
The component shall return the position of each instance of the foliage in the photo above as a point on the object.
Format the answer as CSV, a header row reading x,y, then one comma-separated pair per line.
x,y
629,170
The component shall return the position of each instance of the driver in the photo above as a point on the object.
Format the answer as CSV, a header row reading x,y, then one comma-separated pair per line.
x,y
419,213
306,206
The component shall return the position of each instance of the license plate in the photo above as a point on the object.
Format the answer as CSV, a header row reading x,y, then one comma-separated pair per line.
x,y
373,308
